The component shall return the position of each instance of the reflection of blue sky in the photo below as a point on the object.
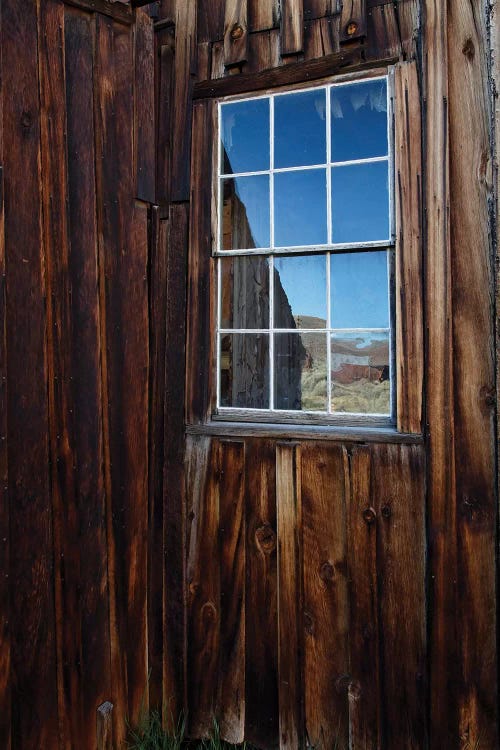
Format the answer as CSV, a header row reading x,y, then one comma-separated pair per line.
x,y
300,208
359,120
304,282
245,135
360,202
359,290
300,129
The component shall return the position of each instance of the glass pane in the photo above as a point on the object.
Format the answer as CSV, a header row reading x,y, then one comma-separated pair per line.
x,y
359,120
244,292
300,292
245,136
300,371
300,208
244,370
300,129
361,373
245,213
360,202
359,290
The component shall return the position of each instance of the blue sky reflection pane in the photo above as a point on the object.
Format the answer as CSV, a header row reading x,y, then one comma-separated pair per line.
x,y
300,208
360,202
245,136
300,129
359,290
359,120
300,291
245,213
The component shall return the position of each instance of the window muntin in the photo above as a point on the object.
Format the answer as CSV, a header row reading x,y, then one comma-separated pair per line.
x,y
305,254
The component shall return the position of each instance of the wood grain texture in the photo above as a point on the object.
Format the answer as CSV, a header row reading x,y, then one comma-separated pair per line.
x,y
292,27
235,33
261,611
319,9
263,16
409,228
352,20
174,524
144,112
165,104
123,259
117,10
200,289
383,34
471,193
32,626
5,635
264,51
288,500
326,602
365,730
185,70
398,496
408,15
321,37
105,726
210,23
230,710
203,582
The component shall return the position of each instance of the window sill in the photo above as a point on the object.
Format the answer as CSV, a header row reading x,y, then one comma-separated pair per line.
x,y
339,433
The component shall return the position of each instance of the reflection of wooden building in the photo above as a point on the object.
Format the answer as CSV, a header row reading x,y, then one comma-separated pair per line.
x,y
305,586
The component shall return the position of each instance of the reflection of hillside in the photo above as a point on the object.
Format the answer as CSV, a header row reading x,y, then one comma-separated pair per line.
x,y
360,376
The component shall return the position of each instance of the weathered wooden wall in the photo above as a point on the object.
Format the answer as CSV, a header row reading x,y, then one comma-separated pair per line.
x,y
324,591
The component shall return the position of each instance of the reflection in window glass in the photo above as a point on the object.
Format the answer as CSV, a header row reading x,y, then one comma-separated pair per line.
x,y
245,292
300,129
245,136
359,120
360,203
245,213
359,288
360,365
244,370
300,291
300,371
300,208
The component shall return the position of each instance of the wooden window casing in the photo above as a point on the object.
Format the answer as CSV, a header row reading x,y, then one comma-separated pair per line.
x,y
408,325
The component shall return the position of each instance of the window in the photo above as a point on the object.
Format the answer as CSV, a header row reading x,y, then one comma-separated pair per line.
x,y
305,254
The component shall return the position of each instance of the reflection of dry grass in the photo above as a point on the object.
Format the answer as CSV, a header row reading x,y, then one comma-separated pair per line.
x,y
314,388
362,397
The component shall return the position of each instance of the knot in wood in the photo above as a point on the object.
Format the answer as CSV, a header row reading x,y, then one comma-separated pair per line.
x,y
265,539
327,572
236,32
468,49
351,28
386,511
369,516
308,623
26,120
354,690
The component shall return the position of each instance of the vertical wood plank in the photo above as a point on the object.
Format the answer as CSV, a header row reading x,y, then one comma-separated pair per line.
x,y
33,654
200,289
292,27
261,703
398,496
210,25
165,84
288,500
123,258
408,189
5,674
408,15
231,689
443,661
264,51
263,16
203,461
471,220
144,107
321,37
383,37
105,726
157,316
326,603
85,374
352,20
235,33
364,687
173,471
319,8
185,70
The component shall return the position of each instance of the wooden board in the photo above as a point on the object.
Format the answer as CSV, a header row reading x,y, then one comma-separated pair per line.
x,y
292,26
352,20
324,472
185,70
263,16
144,103
261,640
32,625
235,33
290,627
